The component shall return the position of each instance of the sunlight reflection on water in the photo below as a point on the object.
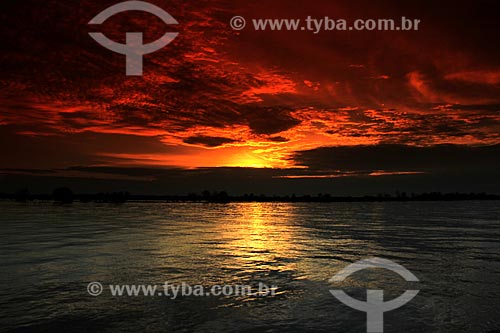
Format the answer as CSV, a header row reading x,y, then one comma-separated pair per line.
x,y
49,253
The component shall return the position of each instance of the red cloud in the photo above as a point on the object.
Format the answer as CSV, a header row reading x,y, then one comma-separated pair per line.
x,y
482,77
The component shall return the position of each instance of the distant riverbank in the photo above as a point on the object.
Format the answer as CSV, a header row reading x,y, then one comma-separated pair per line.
x,y
65,195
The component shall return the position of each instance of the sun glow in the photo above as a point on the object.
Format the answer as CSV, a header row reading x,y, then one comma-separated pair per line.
x,y
248,160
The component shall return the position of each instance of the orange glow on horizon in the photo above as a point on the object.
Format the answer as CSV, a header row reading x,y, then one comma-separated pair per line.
x,y
249,160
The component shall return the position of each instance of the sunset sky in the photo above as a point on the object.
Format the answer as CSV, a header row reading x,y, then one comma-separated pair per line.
x,y
345,112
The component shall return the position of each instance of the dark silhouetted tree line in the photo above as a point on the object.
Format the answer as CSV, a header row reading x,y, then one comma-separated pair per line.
x,y
65,195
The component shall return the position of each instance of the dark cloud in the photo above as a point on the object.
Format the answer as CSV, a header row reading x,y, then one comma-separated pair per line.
x,y
278,139
473,107
208,141
61,151
270,120
387,157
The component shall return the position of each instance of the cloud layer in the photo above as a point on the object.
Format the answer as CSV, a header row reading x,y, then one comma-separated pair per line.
x,y
215,97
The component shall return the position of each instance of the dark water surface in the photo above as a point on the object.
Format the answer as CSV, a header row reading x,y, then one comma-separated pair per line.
x,y
48,255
